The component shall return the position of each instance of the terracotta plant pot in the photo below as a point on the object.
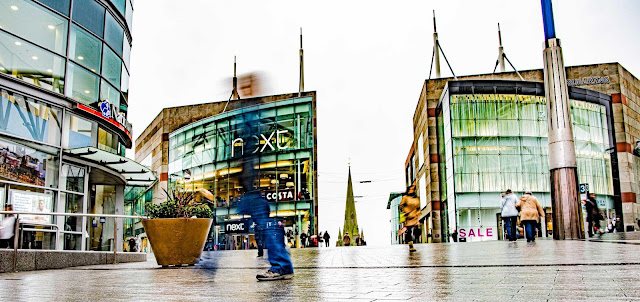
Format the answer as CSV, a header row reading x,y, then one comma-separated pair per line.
x,y
177,241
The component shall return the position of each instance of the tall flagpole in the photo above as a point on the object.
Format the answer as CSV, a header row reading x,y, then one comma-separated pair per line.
x,y
567,214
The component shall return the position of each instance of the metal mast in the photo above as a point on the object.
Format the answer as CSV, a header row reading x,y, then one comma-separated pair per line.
x,y
301,83
567,213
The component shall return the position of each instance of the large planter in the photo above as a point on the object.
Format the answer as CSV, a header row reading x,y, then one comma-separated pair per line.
x,y
177,241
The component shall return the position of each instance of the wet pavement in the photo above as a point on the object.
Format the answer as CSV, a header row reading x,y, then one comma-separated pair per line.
x,y
546,270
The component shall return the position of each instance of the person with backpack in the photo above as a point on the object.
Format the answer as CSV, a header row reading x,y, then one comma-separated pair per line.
x,y
326,238
530,213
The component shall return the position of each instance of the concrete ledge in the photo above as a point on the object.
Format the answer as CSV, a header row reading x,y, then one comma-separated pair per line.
x,y
31,260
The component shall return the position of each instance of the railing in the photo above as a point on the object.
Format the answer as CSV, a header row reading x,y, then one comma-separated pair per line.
x,y
17,224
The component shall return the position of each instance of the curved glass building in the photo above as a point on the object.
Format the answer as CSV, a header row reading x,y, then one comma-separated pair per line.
x,y
206,155
492,136
64,77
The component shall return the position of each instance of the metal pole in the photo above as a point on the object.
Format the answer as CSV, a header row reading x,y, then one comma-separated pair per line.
x,y
115,235
566,206
435,47
15,242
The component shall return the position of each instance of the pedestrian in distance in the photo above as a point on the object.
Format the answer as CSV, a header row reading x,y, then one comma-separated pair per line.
x,y
303,239
530,213
510,214
346,239
7,226
410,206
326,238
593,215
454,235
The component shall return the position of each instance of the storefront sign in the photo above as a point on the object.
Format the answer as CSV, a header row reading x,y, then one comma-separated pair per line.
x,y
475,232
588,81
235,227
280,196
264,141
32,202
111,114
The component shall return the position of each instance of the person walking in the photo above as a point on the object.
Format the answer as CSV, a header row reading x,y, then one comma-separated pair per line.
x,y
326,237
510,214
254,204
593,215
7,226
303,239
410,206
346,239
530,213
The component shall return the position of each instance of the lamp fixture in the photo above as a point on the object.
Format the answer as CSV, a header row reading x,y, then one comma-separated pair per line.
x,y
284,176
13,7
49,70
290,184
87,91
80,58
34,57
17,43
51,26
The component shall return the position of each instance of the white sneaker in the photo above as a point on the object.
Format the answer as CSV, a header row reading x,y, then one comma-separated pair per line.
x,y
271,275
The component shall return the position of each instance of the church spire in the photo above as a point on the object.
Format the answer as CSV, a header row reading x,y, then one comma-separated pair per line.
x,y
350,217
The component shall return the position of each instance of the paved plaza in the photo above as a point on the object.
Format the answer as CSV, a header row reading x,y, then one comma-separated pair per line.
x,y
545,270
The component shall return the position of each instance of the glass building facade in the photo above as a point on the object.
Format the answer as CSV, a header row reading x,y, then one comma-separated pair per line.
x,y
206,155
492,136
64,70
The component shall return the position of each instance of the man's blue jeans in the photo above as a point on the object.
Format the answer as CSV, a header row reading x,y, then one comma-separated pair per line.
x,y
510,226
272,234
530,229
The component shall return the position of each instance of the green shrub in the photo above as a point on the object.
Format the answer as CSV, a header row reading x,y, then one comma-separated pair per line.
x,y
179,204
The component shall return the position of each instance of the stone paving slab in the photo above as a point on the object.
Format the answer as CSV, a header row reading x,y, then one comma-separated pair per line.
x,y
486,271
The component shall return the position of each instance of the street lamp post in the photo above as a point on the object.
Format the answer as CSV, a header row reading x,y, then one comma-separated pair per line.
x,y
562,155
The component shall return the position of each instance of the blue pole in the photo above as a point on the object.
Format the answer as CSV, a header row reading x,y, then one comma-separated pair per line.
x,y
547,20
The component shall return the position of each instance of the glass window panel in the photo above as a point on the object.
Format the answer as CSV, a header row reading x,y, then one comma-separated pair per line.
x,y
485,110
529,128
120,5
126,52
35,24
487,145
30,119
113,34
107,141
29,163
72,178
111,66
464,128
465,146
488,163
466,164
110,94
89,14
491,182
80,131
510,164
508,127
528,111
85,49
512,181
507,110
62,6
129,14
509,145
531,164
83,85
487,128
22,60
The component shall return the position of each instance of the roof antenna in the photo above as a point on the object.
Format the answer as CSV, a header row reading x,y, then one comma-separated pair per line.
x,y
301,83
234,92
436,53
502,56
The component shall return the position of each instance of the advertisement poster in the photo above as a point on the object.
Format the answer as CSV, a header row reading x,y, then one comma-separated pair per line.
x,y
32,202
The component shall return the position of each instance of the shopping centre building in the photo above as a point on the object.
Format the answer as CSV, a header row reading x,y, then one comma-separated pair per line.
x,y
477,136
200,146
64,73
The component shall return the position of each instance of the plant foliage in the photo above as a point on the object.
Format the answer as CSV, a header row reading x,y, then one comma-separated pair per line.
x,y
179,204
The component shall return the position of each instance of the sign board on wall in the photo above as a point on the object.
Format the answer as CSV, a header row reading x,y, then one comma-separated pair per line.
x,y
23,201
476,234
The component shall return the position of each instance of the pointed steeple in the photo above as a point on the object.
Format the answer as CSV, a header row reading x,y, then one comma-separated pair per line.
x,y
350,217
339,242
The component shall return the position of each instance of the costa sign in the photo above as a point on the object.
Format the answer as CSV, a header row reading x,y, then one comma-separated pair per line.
x,y
280,196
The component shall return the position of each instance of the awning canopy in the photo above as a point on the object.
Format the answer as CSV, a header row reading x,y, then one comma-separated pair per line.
x,y
134,173
393,196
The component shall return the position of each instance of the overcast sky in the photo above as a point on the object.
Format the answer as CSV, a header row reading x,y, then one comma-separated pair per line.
x,y
367,60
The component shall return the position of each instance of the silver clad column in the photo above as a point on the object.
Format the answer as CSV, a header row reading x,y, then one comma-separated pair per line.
x,y
567,214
